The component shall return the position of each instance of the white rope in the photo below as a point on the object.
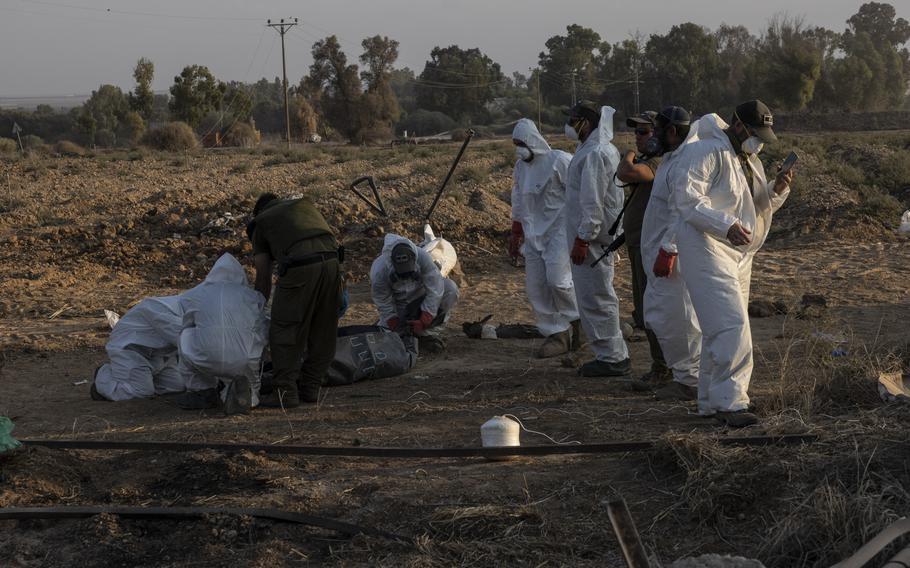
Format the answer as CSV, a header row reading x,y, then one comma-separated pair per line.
x,y
529,431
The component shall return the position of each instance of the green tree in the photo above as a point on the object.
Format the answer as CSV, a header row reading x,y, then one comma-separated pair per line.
x,y
335,86
581,53
101,118
787,64
875,35
682,67
194,94
379,106
736,49
459,82
142,98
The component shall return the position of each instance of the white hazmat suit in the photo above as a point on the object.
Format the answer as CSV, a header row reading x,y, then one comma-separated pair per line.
x,y
217,330
224,329
143,352
593,202
393,295
668,307
538,202
717,274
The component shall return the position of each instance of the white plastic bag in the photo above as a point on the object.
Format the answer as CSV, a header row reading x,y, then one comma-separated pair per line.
x,y
442,251
905,222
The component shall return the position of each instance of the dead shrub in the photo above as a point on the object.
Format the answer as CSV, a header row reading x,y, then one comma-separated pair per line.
x,y
853,501
67,148
8,146
242,135
172,137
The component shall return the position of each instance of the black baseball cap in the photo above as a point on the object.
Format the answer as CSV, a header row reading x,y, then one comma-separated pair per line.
x,y
645,118
675,115
584,109
404,259
757,116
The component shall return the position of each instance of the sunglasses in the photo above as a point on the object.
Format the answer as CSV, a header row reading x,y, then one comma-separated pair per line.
x,y
643,131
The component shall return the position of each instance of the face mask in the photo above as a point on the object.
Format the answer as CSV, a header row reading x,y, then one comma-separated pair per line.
x,y
753,145
654,146
571,134
525,154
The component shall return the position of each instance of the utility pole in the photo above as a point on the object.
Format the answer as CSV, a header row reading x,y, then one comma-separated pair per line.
x,y
282,28
635,82
574,101
530,70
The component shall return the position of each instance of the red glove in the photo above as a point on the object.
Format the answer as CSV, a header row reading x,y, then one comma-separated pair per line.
x,y
663,266
419,326
515,239
579,251
393,323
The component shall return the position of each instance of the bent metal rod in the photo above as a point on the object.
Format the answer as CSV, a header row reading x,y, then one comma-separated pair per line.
x,y
419,453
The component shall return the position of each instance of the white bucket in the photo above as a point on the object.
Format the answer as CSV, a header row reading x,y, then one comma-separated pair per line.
x,y
498,432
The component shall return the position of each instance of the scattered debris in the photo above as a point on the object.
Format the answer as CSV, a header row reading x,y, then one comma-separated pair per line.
x,y
112,318
7,442
894,387
813,306
767,308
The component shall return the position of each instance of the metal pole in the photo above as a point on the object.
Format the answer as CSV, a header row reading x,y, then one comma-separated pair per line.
x,y
449,175
531,70
627,535
282,28
574,101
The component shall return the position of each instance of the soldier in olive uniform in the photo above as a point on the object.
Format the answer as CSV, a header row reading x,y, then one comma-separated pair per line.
x,y
308,294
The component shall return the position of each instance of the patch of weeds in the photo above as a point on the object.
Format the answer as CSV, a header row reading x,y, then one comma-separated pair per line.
x,y
294,156
472,174
308,179
241,168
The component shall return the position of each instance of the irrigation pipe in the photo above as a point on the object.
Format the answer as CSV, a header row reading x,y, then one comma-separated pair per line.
x,y
420,453
77,512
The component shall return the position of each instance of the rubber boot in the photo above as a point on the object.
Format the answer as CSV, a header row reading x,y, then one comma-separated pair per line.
x,y
556,344
576,336
598,368
238,398
280,398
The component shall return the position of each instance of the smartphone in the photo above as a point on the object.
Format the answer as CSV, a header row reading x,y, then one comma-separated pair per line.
x,y
788,163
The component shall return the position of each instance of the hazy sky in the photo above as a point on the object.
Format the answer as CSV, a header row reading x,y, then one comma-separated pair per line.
x,y
56,47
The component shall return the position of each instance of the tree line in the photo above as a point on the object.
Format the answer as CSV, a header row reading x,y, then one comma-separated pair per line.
x,y
793,66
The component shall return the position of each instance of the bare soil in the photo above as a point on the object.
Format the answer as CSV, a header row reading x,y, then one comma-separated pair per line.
x,y
83,235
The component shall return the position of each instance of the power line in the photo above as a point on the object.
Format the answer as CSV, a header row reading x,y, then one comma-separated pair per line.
x,y
133,13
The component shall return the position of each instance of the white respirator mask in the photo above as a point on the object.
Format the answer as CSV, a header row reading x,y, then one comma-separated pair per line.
x,y
753,145
571,134
524,154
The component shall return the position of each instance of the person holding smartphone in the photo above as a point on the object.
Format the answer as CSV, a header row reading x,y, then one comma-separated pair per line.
x,y
725,206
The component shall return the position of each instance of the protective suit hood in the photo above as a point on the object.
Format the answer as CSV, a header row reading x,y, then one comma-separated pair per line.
x,y
604,132
391,240
227,269
710,126
526,131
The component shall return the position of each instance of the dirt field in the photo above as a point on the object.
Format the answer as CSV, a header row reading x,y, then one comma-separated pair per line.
x,y
80,235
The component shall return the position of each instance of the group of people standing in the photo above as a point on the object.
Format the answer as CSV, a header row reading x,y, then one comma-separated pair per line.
x,y
699,208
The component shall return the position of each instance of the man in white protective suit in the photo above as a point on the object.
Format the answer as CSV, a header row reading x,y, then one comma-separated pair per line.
x,y
142,353
725,214
223,337
409,292
593,202
214,332
668,309
538,221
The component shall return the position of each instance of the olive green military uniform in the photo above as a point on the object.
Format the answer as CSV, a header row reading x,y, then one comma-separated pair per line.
x,y
631,224
306,298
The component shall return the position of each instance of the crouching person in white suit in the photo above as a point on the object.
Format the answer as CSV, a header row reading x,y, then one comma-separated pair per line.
x,y
223,337
214,333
